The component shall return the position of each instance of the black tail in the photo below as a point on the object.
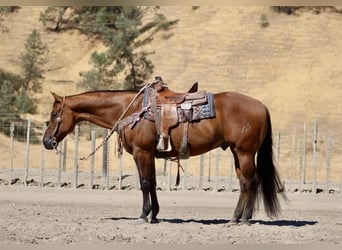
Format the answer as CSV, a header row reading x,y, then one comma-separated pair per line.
x,y
267,173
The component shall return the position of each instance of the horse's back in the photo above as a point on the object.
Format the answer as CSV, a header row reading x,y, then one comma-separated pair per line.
x,y
239,105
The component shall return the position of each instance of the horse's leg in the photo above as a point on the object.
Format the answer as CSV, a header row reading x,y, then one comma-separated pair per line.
x,y
153,193
252,195
146,209
239,207
249,184
143,164
146,168
243,197
245,170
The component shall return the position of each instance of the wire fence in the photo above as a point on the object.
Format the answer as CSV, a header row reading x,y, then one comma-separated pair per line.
x,y
308,161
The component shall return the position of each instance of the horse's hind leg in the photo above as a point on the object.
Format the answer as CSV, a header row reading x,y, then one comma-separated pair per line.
x,y
243,196
251,186
245,170
239,207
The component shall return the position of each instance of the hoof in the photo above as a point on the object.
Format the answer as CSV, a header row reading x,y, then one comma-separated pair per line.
x,y
140,221
245,222
154,221
233,222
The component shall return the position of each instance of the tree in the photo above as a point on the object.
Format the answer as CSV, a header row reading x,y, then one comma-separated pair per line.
x,y
4,12
8,84
17,89
54,15
32,62
123,31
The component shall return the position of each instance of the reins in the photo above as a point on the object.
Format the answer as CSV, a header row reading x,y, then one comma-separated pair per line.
x,y
114,128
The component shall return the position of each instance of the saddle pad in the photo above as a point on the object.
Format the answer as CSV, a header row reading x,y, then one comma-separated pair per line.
x,y
198,112
195,113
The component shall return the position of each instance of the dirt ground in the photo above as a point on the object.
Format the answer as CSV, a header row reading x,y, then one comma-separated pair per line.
x,y
64,216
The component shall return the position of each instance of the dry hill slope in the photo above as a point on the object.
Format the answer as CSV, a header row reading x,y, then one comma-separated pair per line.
x,y
293,65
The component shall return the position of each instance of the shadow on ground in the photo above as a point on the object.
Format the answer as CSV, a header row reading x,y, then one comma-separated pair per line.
x,y
281,223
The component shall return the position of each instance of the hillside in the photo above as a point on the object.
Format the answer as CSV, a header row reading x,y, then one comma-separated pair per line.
x,y
293,65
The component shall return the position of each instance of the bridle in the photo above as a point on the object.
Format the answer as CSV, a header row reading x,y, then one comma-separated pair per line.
x,y
59,121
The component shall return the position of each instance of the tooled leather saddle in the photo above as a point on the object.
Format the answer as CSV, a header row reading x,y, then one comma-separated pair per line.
x,y
168,108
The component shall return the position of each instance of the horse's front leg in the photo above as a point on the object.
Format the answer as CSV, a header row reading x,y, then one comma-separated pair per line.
x,y
146,209
153,193
146,168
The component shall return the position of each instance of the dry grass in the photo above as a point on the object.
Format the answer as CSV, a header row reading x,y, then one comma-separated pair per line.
x,y
293,65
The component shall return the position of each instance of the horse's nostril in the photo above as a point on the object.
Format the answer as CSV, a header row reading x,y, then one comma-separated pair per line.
x,y
49,142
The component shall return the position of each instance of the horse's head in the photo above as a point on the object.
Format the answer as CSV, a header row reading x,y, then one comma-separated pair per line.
x,y
62,122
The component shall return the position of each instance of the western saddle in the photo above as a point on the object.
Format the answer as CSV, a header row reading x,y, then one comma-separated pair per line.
x,y
168,108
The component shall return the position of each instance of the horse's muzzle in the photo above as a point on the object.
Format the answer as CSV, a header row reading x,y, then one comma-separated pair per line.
x,y
50,143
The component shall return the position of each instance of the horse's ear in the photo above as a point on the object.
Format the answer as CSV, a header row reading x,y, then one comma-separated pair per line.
x,y
57,97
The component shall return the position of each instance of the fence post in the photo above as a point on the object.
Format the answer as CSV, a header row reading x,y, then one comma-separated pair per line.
x,y
60,164
328,165
185,174
209,166
169,176
27,151
92,158
105,157
120,171
165,165
231,166
292,160
12,153
77,128
304,155
217,169
42,160
65,148
278,150
108,159
300,167
200,182
314,158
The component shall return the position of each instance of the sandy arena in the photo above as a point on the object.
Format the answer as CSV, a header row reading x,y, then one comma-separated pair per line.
x,y
65,215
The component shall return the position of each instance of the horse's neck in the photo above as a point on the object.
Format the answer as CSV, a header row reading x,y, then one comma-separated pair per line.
x,y
101,108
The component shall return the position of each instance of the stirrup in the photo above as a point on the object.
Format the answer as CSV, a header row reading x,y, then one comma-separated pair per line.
x,y
163,144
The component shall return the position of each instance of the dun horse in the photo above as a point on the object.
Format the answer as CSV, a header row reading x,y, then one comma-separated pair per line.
x,y
240,122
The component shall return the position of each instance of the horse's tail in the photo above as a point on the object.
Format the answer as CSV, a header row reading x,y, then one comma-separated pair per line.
x,y
269,179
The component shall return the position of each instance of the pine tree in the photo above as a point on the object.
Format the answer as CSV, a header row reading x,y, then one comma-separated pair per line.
x,y
16,90
122,31
8,85
32,62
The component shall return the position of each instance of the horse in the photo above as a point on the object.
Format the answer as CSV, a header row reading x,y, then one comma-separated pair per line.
x,y
241,123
